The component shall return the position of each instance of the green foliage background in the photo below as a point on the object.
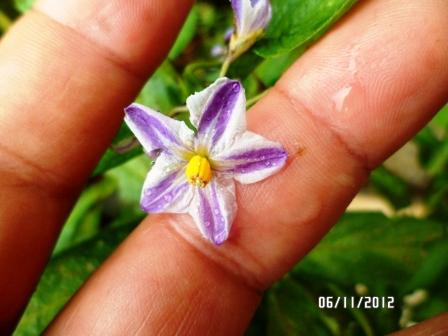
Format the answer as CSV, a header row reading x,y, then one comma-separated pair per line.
x,y
400,247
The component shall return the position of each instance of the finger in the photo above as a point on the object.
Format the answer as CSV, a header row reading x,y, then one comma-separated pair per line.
x,y
67,69
345,107
435,326
165,278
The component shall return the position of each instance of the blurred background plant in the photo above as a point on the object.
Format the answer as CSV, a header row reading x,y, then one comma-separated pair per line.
x,y
392,241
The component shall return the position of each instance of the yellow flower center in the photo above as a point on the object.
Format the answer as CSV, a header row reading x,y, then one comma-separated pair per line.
x,y
199,171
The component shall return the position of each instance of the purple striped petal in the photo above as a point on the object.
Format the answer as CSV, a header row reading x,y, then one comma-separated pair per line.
x,y
157,132
259,159
219,110
237,6
166,200
166,188
218,113
215,210
252,158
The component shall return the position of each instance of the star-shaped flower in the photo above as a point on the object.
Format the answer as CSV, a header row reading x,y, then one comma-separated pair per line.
x,y
194,172
251,18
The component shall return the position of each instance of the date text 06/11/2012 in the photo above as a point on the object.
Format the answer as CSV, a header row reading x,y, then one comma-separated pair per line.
x,y
356,302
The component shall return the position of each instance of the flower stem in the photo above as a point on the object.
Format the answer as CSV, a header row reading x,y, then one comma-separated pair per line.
x,y
255,99
225,65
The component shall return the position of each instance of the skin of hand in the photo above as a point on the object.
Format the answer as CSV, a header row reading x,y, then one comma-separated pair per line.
x,y
63,93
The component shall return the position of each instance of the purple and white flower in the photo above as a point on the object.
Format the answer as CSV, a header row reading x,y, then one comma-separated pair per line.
x,y
251,18
194,172
251,15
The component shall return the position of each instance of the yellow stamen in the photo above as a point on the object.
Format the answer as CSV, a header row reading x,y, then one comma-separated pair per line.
x,y
199,171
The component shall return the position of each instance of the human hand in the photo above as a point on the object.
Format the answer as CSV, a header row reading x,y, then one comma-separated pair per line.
x,y
87,61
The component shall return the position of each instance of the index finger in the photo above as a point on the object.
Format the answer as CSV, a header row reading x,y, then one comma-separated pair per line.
x,y
166,278
67,69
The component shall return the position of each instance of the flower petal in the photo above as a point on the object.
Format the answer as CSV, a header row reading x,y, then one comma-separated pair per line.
x,y
251,16
215,208
157,132
166,188
218,113
237,6
252,158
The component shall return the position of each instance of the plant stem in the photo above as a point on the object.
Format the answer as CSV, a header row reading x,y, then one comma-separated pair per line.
x,y
255,99
225,65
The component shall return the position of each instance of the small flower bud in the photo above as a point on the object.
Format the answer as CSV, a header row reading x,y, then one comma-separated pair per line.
x,y
251,18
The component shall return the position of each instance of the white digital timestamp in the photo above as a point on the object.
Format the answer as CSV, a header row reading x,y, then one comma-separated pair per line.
x,y
356,302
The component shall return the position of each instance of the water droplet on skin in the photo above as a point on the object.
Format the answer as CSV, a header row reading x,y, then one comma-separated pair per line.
x,y
216,211
268,163
207,224
339,98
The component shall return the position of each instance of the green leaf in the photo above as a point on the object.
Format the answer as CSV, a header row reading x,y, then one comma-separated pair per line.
x,y
251,86
293,310
5,22
394,188
437,304
130,178
208,16
164,91
441,118
23,5
244,65
298,23
186,34
63,276
112,159
438,163
432,270
200,74
271,69
84,220
370,248
363,248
